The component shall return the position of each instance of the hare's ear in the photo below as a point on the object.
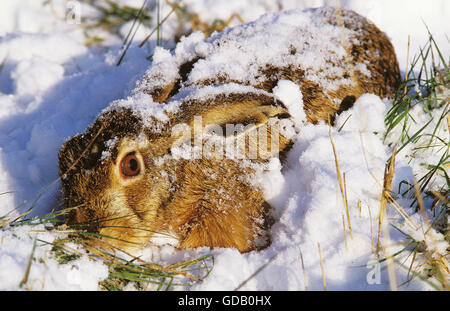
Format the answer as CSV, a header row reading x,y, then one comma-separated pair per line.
x,y
238,116
249,113
160,93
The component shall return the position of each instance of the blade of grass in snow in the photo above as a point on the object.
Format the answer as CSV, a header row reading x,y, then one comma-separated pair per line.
x,y
303,270
324,281
422,91
256,272
341,183
30,261
387,184
127,42
156,28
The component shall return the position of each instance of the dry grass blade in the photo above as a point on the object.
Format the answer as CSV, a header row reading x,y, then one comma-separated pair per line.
x,y
88,147
218,25
402,212
303,270
256,272
440,196
341,183
27,271
345,232
188,261
405,91
324,281
421,205
387,184
11,220
185,263
53,231
156,28
171,268
62,244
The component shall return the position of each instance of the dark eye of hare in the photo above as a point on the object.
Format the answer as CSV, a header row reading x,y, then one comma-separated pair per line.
x,y
129,166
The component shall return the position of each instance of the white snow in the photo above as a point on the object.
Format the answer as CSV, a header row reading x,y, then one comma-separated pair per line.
x,y
16,250
52,87
398,18
291,96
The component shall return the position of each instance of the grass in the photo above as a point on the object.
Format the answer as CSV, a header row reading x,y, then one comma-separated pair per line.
x,y
110,17
426,143
342,183
421,90
183,16
425,263
322,269
124,269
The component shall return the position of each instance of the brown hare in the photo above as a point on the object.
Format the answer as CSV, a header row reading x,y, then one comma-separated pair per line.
x,y
127,178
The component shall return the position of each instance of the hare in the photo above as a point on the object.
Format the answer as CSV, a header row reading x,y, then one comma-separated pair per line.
x,y
126,177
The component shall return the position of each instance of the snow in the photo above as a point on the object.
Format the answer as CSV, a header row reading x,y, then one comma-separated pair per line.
x,y
16,249
398,18
52,87
291,96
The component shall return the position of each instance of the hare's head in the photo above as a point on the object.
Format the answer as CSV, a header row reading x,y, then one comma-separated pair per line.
x,y
109,180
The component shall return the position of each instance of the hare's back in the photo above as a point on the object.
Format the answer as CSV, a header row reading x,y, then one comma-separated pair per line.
x,y
333,55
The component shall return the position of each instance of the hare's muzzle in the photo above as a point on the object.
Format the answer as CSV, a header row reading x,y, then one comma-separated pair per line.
x,y
85,216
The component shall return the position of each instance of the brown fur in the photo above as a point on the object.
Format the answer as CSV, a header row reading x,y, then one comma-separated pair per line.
x,y
207,201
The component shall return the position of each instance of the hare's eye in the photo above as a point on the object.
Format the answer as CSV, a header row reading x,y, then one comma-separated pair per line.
x,y
130,166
